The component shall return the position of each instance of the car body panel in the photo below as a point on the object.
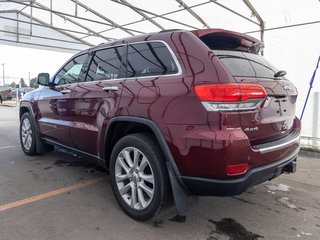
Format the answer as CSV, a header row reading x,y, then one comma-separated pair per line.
x,y
55,110
92,109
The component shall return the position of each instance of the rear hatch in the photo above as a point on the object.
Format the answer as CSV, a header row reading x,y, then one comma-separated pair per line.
x,y
239,54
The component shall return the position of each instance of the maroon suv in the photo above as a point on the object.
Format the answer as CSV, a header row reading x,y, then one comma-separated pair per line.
x,y
176,112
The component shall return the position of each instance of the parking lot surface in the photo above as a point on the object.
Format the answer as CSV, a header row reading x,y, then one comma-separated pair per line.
x,y
59,196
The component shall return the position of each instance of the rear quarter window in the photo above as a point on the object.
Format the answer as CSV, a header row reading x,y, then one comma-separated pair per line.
x,y
150,59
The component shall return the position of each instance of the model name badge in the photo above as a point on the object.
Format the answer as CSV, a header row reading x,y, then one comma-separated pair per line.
x,y
251,129
287,86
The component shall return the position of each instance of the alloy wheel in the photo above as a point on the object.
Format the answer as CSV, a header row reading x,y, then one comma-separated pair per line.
x,y
26,134
134,178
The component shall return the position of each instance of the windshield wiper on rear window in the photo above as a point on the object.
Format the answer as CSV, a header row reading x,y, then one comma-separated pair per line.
x,y
280,73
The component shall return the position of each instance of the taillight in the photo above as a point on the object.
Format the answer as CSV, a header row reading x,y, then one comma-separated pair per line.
x,y
237,169
230,97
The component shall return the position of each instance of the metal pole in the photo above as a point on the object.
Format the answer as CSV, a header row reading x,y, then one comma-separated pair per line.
x,y
31,18
51,21
310,87
315,121
4,82
193,13
257,15
102,17
17,96
145,16
17,27
76,9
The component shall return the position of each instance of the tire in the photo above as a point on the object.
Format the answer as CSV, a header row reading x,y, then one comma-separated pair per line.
x,y
141,187
27,135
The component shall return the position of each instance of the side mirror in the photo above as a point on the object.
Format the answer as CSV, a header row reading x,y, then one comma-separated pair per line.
x,y
43,79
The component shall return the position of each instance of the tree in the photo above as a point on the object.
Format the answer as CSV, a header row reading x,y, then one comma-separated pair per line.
x,y
22,83
13,85
33,83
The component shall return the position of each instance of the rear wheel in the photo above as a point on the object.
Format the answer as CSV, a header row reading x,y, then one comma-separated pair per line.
x,y
27,135
138,176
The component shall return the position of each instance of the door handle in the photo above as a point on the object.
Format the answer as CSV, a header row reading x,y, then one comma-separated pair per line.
x,y
66,91
110,89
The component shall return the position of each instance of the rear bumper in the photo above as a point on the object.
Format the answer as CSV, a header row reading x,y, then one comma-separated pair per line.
x,y
215,187
293,137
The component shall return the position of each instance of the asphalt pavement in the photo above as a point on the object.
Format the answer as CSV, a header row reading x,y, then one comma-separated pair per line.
x,y
57,196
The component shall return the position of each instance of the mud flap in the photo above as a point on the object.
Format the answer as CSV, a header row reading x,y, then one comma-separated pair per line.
x,y
42,147
182,198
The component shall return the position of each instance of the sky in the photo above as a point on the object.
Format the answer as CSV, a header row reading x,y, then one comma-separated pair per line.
x,y
19,61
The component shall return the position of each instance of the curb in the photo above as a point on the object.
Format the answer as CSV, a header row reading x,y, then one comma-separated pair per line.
x,y
305,153
6,105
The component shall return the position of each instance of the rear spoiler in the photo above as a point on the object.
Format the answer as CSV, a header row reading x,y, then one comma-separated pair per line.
x,y
219,39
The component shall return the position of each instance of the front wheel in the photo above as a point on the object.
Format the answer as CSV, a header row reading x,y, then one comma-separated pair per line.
x,y
27,135
138,176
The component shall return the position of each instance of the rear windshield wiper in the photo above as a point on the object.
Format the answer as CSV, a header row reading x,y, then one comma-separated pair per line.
x,y
280,73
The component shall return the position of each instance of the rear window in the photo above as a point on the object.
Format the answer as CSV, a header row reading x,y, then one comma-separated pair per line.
x,y
243,64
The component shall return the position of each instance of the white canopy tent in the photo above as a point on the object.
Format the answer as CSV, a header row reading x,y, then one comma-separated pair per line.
x,y
289,28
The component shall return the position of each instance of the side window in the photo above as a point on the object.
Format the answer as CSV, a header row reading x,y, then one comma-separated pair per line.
x,y
150,59
107,64
71,71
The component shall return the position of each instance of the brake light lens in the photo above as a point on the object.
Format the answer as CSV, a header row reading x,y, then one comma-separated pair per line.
x,y
237,169
229,92
230,97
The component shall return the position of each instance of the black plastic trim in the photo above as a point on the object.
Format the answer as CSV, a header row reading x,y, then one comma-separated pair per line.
x,y
155,129
71,149
217,187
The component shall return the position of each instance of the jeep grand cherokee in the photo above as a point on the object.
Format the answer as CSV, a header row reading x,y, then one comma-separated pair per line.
x,y
176,112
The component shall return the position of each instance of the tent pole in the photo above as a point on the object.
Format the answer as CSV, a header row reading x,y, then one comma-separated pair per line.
x,y
310,87
257,15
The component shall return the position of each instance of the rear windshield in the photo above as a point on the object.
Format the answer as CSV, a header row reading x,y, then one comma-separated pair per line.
x,y
243,64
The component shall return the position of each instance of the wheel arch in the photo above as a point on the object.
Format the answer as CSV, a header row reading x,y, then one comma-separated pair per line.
x,y
40,146
129,125
23,109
